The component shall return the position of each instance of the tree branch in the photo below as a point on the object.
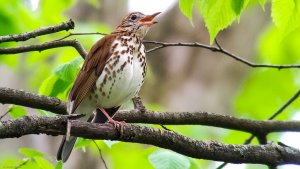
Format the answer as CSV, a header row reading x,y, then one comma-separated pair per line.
x,y
45,46
270,154
78,47
42,31
262,137
23,98
256,127
218,49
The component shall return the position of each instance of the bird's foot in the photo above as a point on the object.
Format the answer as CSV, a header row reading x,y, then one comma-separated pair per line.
x,y
119,125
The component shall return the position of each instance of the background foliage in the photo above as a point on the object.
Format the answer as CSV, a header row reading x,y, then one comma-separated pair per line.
x,y
52,73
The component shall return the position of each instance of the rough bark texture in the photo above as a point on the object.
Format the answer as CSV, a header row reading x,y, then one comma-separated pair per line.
x,y
269,154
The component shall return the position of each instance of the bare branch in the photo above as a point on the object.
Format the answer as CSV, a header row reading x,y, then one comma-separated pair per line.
x,y
70,25
256,127
279,111
217,49
45,46
23,98
25,161
270,154
290,101
76,34
4,114
262,138
42,31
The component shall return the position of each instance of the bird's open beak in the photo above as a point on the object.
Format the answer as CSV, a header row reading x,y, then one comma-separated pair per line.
x,y
147,21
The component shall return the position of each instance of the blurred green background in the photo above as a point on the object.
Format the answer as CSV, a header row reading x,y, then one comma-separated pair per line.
x,y
178,79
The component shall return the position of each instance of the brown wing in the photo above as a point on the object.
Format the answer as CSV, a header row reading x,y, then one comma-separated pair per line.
x,y
92,68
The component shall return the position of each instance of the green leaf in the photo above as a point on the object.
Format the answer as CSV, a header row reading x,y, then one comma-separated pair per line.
x,y
30,153
110,143
9,162
27,164
186,7
47,85
68,71
59,165
81,142
253,97
17,111
286,15
42,163
237,6
53,86
57,85
165,159
218,15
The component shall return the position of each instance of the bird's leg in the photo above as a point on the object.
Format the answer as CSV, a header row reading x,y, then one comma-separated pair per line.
x,y
117,124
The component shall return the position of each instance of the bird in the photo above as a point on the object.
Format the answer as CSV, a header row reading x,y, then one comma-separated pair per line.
x,y
112,73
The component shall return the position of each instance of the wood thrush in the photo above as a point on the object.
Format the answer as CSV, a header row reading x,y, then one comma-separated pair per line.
x,y
112,73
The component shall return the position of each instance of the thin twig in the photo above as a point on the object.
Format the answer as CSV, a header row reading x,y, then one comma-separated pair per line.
x,y
45,46
39,32
279,111
164,127
100,153
82,33
23,163
219,49
221,165
290,101
3,115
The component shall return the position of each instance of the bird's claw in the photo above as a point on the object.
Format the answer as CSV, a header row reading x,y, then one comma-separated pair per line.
x,y
119,125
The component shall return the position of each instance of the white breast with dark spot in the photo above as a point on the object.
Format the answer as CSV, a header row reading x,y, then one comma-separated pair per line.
x,y
123,74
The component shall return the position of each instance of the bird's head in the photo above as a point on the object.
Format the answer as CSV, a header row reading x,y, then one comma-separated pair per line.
x,y
137,23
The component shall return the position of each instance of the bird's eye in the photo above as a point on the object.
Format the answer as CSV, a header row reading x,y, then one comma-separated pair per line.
x,y
133,17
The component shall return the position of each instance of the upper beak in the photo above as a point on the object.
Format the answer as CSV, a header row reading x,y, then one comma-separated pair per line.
x,y
148,19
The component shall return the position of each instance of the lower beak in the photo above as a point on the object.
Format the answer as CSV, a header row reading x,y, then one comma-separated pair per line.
x,y
148,19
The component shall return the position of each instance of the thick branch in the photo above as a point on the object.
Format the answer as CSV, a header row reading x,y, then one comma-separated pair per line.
x,y
20,97
269,154
45,46
256,127
42,31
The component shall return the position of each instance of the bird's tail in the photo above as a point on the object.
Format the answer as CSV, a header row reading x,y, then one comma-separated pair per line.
x,y
65,148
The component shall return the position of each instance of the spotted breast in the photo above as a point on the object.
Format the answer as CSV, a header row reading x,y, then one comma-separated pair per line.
x,y
123,74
